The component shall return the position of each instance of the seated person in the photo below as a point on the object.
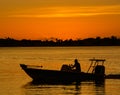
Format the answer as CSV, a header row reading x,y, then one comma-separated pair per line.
x,y
77,66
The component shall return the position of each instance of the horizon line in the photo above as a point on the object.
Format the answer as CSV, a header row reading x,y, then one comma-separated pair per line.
x,y
53,38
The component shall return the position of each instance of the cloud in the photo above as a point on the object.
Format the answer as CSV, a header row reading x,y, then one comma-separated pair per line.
x,y
73,11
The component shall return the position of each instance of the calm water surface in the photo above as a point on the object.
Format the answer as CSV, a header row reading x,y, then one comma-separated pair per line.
x,y
14,81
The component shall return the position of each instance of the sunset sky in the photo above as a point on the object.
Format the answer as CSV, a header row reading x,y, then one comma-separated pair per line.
x,y
64,19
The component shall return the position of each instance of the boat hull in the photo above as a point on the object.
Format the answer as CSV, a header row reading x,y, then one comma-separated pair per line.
x,y
41,75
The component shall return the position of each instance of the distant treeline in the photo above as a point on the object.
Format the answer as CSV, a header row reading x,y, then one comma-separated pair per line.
x,y
98,41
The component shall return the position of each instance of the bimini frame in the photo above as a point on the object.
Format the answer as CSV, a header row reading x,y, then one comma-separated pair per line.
x,y
94,63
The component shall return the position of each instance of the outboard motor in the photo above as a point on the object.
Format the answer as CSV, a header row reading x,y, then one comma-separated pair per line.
x,y
99,72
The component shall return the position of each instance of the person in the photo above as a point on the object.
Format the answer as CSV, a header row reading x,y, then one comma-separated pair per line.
x,y
77,66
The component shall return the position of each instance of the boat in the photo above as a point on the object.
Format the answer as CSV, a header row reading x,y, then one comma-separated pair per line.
x,y
95,72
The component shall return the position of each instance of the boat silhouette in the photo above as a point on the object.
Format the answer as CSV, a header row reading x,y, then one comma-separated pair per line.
x,y
66,76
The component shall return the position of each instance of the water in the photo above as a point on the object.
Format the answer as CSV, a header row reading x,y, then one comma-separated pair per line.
x,y
14,81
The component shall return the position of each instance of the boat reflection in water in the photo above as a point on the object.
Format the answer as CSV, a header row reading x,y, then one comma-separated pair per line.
x,y
82,88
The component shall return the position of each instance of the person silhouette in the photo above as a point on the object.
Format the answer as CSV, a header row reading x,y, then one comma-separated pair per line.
x,y
76,66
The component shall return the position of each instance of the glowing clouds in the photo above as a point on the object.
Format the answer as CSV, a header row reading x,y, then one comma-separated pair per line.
x,y
52,12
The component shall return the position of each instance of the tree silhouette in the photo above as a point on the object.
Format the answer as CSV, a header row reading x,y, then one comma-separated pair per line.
x,y
98,41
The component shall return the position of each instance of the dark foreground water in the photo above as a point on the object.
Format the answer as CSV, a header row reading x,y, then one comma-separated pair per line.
x,y
14,81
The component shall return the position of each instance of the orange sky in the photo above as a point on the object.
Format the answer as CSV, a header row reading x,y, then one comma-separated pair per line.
x,y
38,19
